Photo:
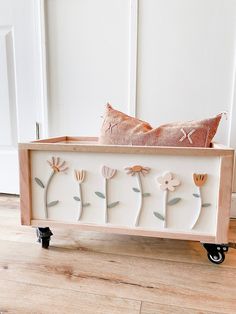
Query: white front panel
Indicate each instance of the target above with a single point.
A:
(186, 60)
(179, 216)
(88, 62)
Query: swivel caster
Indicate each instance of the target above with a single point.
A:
(216, 252)
(44, 236)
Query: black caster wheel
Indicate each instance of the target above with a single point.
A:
(216, 252)
(44, 236)
(216, 258)
(45, 242)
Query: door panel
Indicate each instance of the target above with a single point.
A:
(20, 84)
(88, 62)
(186, 60)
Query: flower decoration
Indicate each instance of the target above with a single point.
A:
(199, 181)
(79, 177)
(107, 173)
(137, 170)
(167, 183)
(57, 166)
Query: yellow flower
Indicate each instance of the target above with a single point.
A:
(199, 179)
(57, 165)
(79, 175)
(137, 169)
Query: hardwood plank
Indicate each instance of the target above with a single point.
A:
(17, 297)
(155, 308)
(201, 287)
(164, 249)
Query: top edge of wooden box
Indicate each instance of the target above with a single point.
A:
(90, 144)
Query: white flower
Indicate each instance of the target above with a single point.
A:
(167, 182)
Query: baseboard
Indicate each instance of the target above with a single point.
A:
(233, 206)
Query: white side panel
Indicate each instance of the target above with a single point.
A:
(88, 62)
(186, 60)
(180, 216)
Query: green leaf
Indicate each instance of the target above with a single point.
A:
(146, 194)
(113, 204)
(196, 195)
(53, 203)
(39, 182)
(206, 205)
(86, 204)
(136, 190)
(76, 198)
(174, 201)
(159, 216)
(99, 194)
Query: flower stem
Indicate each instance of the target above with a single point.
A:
(165, 198)
(199, 208)
(140, 200)
(80, 203)
(46, 194)
(106, 202)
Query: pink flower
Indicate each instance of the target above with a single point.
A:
(107, 172)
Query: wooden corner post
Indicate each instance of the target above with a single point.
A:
(225, 196)
(25, 186)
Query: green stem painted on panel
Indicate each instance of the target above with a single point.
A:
(46, 194)
(199, 208)
(80, 202)
(106, 202)
(165, 199)
(140, 199)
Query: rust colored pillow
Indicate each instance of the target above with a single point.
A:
(121, 129)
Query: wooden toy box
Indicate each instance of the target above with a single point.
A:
(168, 192)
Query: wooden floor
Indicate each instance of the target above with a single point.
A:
(108, 274)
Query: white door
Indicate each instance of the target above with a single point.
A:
(20, 84)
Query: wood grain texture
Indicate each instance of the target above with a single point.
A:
(25, 186)
(125, 270)
(234, 176)
(38, 299)
(126, 230)
(224, 199)
(155, 308)
(121, 149)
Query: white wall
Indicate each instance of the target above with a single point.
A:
(185, 52)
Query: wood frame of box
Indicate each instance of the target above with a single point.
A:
(90, 145)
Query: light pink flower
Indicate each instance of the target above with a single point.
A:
(168, 182)
(107, 172)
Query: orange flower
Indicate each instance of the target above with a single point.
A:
(199, 179)
(56, 165)
(137, 169)
(79, 175)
